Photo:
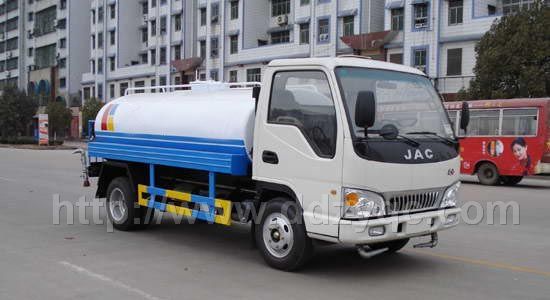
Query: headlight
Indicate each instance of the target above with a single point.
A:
(359, 204)
(451, 196)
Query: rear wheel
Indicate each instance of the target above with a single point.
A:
(281, 236)
(511, 180)
(488, 174)
(122, 208)
(393, 246)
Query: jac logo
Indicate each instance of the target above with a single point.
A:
(451, 172)
(419, 154)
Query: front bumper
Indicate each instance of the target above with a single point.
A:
(397, 227)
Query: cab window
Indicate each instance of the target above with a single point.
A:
(303, 99)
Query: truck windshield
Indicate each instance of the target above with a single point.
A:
(405, 100)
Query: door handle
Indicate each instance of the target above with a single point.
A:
(270, 157)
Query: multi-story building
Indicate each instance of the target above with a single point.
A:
(159, 42)
(439, 36)
(38, 52)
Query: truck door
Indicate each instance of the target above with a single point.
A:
(298, 144)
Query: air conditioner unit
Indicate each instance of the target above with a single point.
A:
(30, 34)
(32, 67)
(58, 55)
(282, 20)
(214, 19)
(10, 54)
(8, 74)
(2, 36)
(214, 53)
(421, 68)
(323, 37)
(145, 18)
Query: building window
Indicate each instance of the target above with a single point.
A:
(234, 14)
(139, 84)
(280, 37)
(30, 52)
(280, 7)
(215, 13)
(202, 49)
(92, 66)
(143, 58)
(45, 56)
(214, 47)
(153, 3)
(177, 52)
(112, 63)
(177, 22)
(100, 66)
(348, 25)
(454, 61)
(44, 21)
(162, 80)
(62, 63)
(144, 7)
(420, 59)
(93, 16)
(162, 2)
(163, 55)
(153, 83)
(163, 25)
(112, 36)
(254, 75)
(421, 16)
(63, 4)
(153, 57)
(233, 76)
(304, 2)
(396, 58)
(62, 82)
(153, 27)
(31, 16)
(111, 91)
(100, 91)
(514, 6)
(397, 19)
(100, 40)
(456, 8)
(214, 75)
(122, 89)
(324, 28)
(304, 33)
(144, 37)
(233, 44)
(100, 14)
(112, 10)
(62, 43)
(203, 16)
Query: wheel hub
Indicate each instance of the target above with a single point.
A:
(117, 205)
(278, 235)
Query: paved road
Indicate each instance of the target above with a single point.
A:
(39, 260)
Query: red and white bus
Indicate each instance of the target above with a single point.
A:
(506, 139)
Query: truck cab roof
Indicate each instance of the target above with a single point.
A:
(347, 61)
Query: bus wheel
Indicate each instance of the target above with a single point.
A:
(122, 208)
(281, 236)
(511, 180)
(488, 174)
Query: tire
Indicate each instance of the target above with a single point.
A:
(511, 180)
(281, 236)
(487, 174)
(393, 246)
(122, 208)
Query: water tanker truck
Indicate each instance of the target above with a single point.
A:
(344, 150)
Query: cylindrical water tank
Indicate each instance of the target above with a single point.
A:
(226, 114)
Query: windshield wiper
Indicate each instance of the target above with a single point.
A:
(390, 134)
(446, 140)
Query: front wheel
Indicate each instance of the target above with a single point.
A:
(281, 236)
(488, 174)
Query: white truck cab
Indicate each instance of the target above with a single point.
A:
(344, 150)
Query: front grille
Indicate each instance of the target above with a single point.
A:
(412, 201)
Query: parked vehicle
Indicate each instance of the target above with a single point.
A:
(506, 139)
(342, 150)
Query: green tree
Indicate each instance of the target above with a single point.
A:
(513, 58)
(59, 119)
(89, 111)
(17, 110)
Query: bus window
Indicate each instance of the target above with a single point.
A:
(519, 122)
(484, 122)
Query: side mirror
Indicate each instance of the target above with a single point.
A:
(365, 109)
(465, 116)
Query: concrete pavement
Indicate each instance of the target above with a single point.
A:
(39, 260)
